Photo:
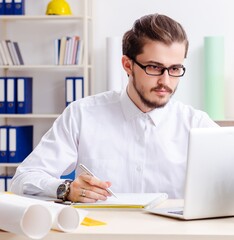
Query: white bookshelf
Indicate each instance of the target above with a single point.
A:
(36, 32)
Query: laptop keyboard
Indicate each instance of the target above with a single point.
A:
(181, 212)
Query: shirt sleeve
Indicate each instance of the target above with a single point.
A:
(55, 155)
(206, 121)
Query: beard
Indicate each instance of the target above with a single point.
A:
(158, 103)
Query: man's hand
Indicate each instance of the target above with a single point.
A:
(88, 189)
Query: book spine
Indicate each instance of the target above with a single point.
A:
(62, 50)
(19, 55)
(10, 50)
(6, 52)
(3, 55)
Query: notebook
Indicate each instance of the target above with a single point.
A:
(126, 200)
(209, 186)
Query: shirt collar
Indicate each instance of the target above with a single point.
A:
(131, 111)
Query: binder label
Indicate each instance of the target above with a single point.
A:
(10, 90)
(20, 90)
(2, 90)
(69, 90)
(12, 140)
(3, 139)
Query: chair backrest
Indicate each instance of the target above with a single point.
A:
(225, 123)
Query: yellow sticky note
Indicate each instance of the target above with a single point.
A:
(92, 222)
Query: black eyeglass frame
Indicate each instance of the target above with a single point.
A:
(144, 67)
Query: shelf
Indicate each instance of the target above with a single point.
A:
(9, 164)
(58, 67)
(26, 116)
(40, 17)
(36, 35)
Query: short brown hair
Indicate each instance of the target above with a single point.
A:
(155, 27)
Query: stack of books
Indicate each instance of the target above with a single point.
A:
(69, 50)
(10, 53)
(12, 7)
(16, 95)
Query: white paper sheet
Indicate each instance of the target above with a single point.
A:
(127, 200)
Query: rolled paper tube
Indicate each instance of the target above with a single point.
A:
(214, 76)
(113, 63)
(34, 218)
(25, 218)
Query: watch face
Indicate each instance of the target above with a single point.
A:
(61, 190)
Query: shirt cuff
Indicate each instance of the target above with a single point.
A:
(52, 186)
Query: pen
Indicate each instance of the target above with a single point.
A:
(85, 169)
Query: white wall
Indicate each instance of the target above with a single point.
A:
(114, 17)
(199, 18)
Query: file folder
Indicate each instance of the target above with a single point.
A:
(2, 7)
(69, 90)
(79, 88)
(9, 7)
(19, 7)
(11, 95)
(2, 95)
(74, 89)
(20, 143)
(2, 184)
(7, 182)
(24, 95)
(3, 144)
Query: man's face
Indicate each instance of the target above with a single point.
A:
(149, 92)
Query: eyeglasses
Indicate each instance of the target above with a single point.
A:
(154, 70)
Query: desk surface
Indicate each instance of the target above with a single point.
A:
(138, 225)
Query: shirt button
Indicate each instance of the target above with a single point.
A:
(139, 168)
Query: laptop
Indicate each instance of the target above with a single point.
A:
(209, 184)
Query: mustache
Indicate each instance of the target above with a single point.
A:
(160, 87)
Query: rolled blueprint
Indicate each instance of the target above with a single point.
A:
(21, 217)
(65, 218)
(113, 63)
(47, 215)
(214, 76)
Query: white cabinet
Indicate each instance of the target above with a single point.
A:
(36, 34)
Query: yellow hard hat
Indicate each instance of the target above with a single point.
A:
(58, 7)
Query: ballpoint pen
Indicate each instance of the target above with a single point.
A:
(85, 169)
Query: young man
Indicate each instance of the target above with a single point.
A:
(136, 139)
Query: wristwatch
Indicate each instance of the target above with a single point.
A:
(63, 190)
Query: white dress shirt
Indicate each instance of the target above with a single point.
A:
(135, 151)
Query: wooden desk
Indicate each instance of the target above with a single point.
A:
(139, 225)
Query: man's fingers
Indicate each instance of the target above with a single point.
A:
(88, 189)
(94, 181)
